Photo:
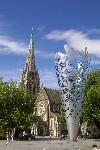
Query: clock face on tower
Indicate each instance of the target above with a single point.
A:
(41, 108)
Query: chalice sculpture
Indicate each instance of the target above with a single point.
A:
(72, 69)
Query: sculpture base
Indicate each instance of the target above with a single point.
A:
(73, 126)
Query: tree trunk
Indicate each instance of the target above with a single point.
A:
(97, 123)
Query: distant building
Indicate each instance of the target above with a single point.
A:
(47, 107)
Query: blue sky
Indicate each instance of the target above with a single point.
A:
(56, 23)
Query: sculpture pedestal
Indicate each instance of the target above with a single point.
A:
(73, 127)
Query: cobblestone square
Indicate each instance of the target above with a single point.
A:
(50, 144)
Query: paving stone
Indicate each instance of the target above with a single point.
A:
(50, 144)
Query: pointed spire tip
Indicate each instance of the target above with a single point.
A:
(31, 44)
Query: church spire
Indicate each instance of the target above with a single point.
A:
(31, 44)
(30, 75)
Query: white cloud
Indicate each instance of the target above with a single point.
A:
(41, 28)
(77, 40)
(11, 46)
(10, 73)
(20, 69)
(44, 54)
(97, 31)
(7, 44)
(4, 25)
(48, 78)
(95, 62)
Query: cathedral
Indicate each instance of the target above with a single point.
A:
(48, 101)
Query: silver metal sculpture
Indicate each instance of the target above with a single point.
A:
(71, 70)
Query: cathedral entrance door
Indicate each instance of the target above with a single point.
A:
(41, 130)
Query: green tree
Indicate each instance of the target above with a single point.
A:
(91, 106)
(16, 106)
(62, 116)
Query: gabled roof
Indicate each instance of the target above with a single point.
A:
(53, 95)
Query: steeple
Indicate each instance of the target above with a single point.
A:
(30, 75)
(31, 44)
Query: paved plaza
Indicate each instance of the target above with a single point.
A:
(50, 144)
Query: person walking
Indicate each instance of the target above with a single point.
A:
(24, 133)
(12, 136)
(8, 137)
(50, 135)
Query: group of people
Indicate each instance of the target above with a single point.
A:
(10, 137)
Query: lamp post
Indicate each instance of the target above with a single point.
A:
(59, 129)
(56, 129)
(36, 128)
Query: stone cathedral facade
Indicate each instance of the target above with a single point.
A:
(48, 101)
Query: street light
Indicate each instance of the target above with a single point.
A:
(59, 129)
(56, 129)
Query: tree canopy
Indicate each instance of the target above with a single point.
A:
(16, 106)
(91, 106)
(62, 116)
(91, 103)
